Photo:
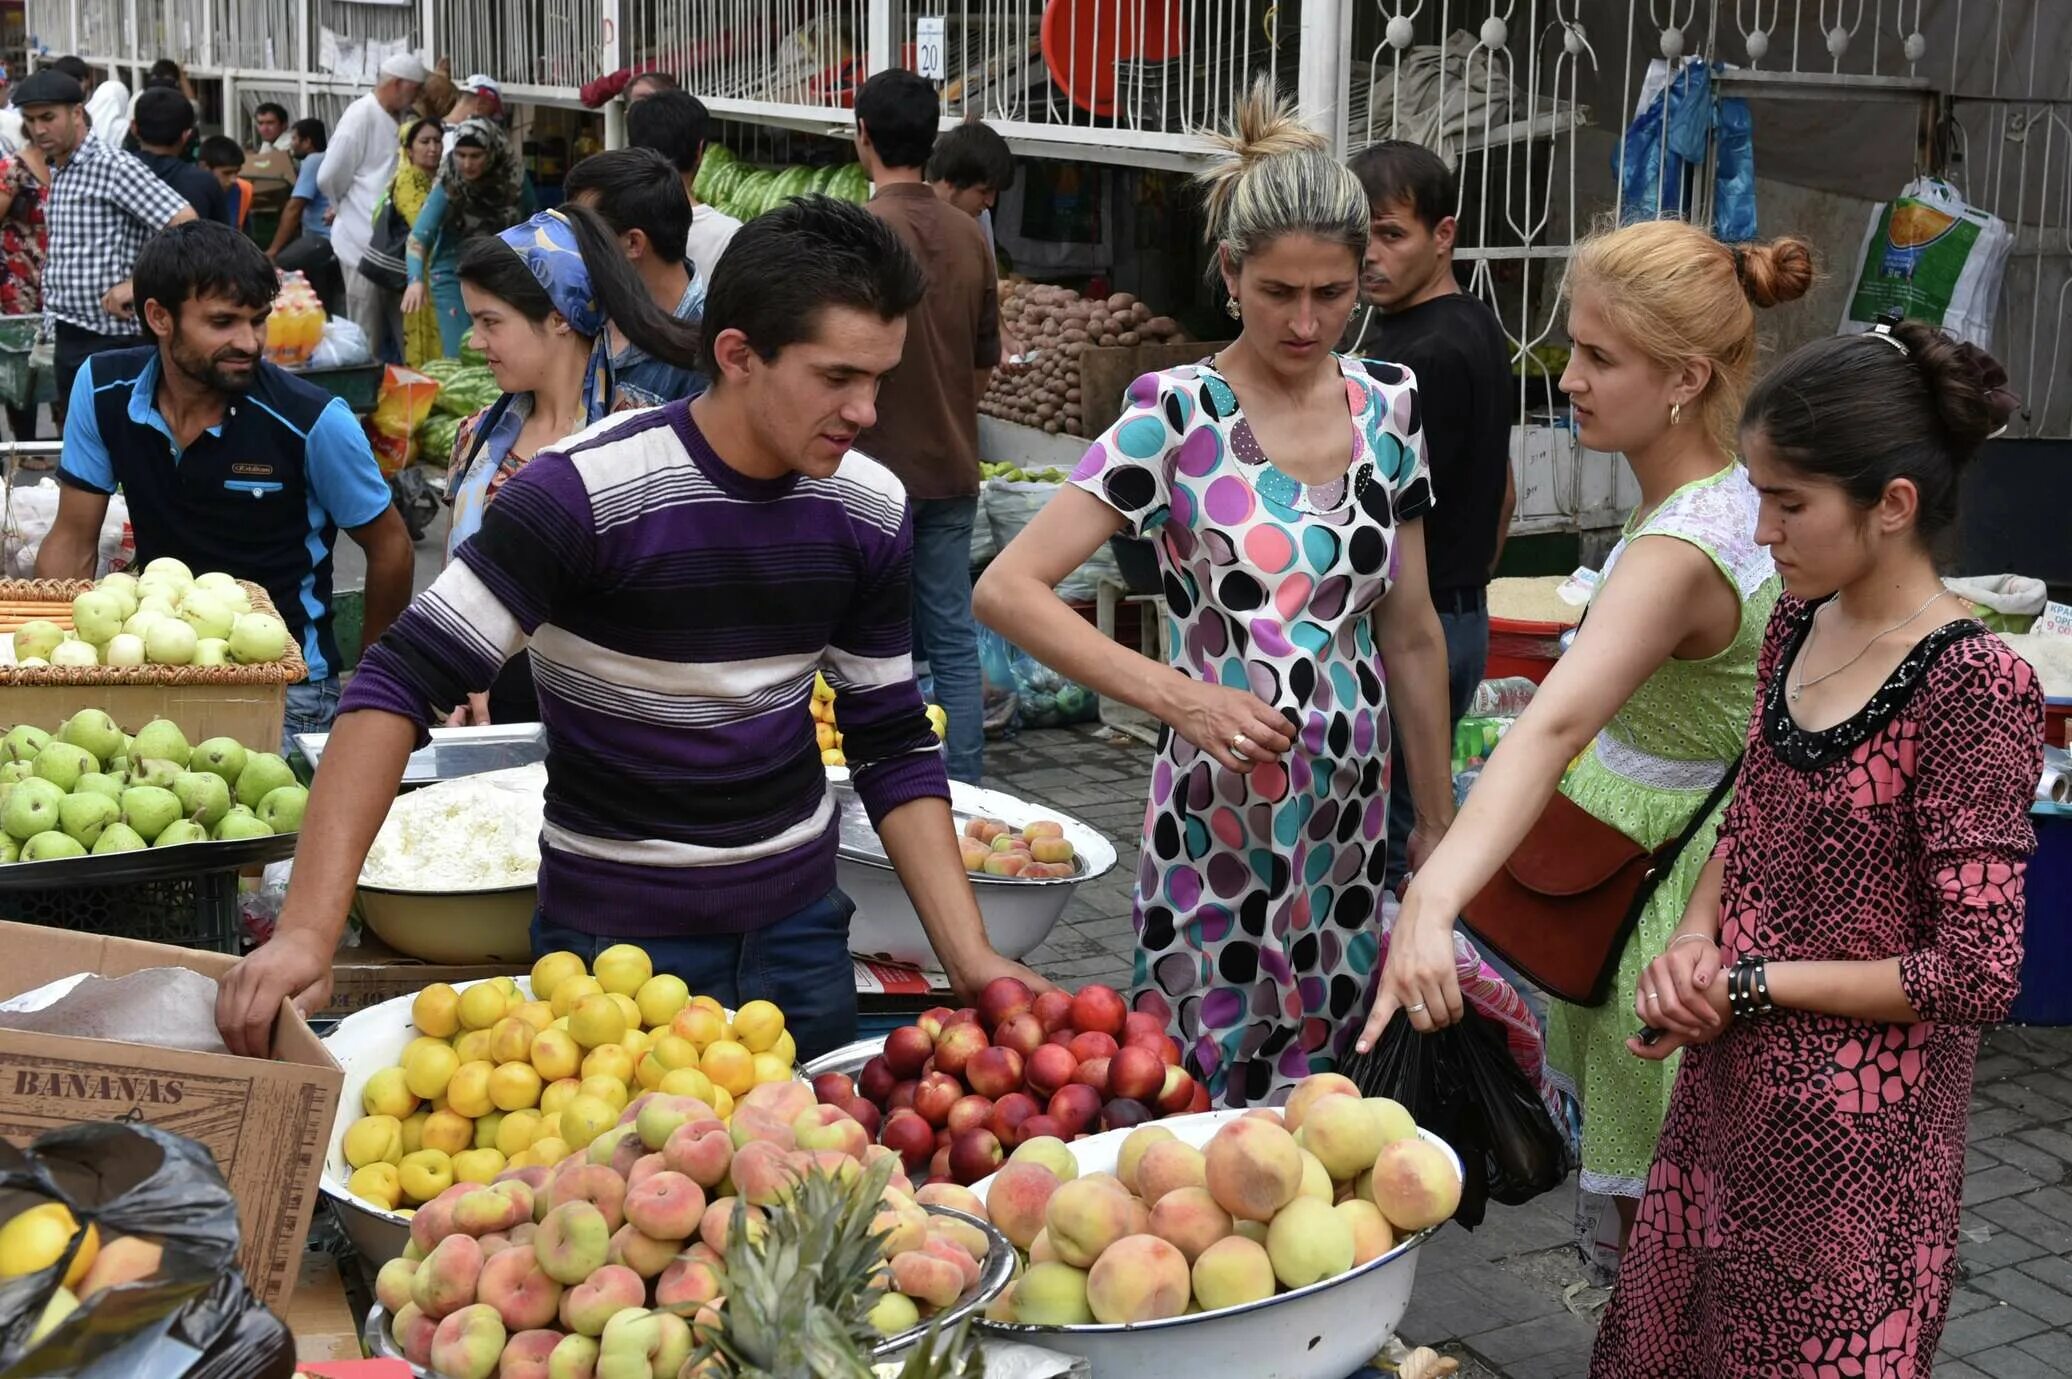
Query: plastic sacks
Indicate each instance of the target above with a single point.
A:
(193, 1316)
(1019, 691)
(1935, 258)
(1665, 147)
(343, 345)
(406, 400)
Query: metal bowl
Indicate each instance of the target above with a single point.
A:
(1018, 914)
(849, 1058)
(453, 927)
(994, 1272)
(1324, 1331)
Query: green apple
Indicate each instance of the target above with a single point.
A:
(124, 649)
(204, 796)
(140, 622)
(149, 809)
(10, 850)
(208, 615)
(170, 642)
(180, 831)
(211, 651)
(264, 772)
(161, 737)
(158, 771)
(223, 755)
(82, 816)
(95, 731)
(119, 837)
(226, 588)
(281, 809)
(96, 616)
(241, 822)
(62, 764)
(75, 653)
(159, 601)
(37, 637)
(168, 565)
(257, 637)
(126, 596)
(121, 582)
(22, 743)
(48, 847)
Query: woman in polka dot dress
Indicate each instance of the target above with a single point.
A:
(1283, 485)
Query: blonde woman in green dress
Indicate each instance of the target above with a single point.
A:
(1654, 696)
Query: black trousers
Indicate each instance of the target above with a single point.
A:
(76, 345)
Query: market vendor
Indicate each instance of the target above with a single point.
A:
(678, 576)
(227, 461)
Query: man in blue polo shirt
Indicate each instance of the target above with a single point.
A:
(228, 463)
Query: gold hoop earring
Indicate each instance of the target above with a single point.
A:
(1676, 414)
(1231, 307)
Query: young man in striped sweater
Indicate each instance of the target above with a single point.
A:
(678, 576)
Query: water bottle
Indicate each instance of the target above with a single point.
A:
(1505, 698)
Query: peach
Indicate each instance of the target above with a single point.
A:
(1002, 999)
(1316, 1182)
(573, 1242)
(595, 1184)
(972, 1112)
(1136, 1073)
(643, 1254)
(1009, 863)
(956, 1047)
(445, 1282)
(1050, 1151)
(391, 1285)
(973, 854)
(906, 1049)
(1233, 1271)
(1097, 1007)
(433, 1221)
(1054, 851)
(413, 1331)
(994, 1072)
(611, 1289)
(962, 1234)
(701, 1150)
(1176, 1092)
(830, 1127)
(666, 1206)
(955, 1196)
(1166, 1166)
(520, 1290)
(1093, 1073)
(1052, 1294)
(1084, 1217)
(498, 1207)
(1040, 1249)
(975, 1154)
(574, 1357)
(646, 1167)
(1252, 1168)
(124, 1259)
(1188, 1219)
(1135, 1146)
(1123, 1114)
(687, 1284)
(1308, 1243)
(785, 1100)
(1372, 1237)
(534, 1176)
(1266, 1113)
(1396, 1121)
(912, 1138)
(1023, 1033)
(1018, 1199)
(1344, 1132)
(659, 1117)
(1042, 828)
(1040, 1126)
(1075, 1108)
(716, 1227)
(1048, 1067)
(526, 1355)
(1087, 1045)
(927, 1278)
(894, 1313)
(1310, 1091)
(903, 1228)
(468, 1343)
(1414, 1185)
(946, 1249)
(637, 1342)
(936, 1093)
(1139, 1278)
(762, 1174)
(1254, 1231)
(865, 1113)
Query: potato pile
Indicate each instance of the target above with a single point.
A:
(1056, 325)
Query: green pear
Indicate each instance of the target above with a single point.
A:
(211, 651)
(32, 808)
(10, 850)
(101, 783)
(149, 809)
(222, 755)
(161, 738)
(180, 831)
(37, 637)
(82, 817)
(241, 822)
(204, 796)
(48, 847)
(282, 808)
(62, 764)
(12, 771)
(264, 772)
(119, 837)
(95, 731)
(158, 771)
(23, 742)
(116, 765)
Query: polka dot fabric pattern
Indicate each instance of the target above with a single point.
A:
(1256, 894)
(1800, 1217)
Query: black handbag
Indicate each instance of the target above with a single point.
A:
(386, 263)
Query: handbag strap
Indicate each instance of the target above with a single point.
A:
(1667, 857)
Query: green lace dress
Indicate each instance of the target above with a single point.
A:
(1646, 774)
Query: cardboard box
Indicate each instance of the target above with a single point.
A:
(253, 714)
(266, 1122)
(373, 972)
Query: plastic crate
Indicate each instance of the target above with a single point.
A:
(357, 385)
(17, 345)
(195, 911)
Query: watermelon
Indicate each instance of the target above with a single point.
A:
(850, 184)
(825, 177)
(793, 181)
(716, 161)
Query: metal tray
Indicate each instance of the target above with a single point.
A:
(455, 752)
(146, 864)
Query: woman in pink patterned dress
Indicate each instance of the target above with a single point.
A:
(1861, 918)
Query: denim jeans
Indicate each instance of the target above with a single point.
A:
(801, 962)
(1467, 651)
(945, 637)
(311, 707)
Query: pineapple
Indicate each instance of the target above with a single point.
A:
(797, 1298)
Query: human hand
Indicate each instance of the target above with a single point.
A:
(969, 978)
(1419, 976)
(414, 297)
(472, 714)
(120, 301)
(1423, 842)
(1213, 717)
(295, 963)
(1680, 991)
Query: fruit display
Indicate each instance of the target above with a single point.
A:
(1056, 325)
(829, 737)
(502, 1077)
(91, 788)
(957, 1090)
(168, 616)
(745, 191)
(1272, 1201)
(1037, 851)
(37, 1237)
(1015, 474)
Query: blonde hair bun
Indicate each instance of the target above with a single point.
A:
(1779, 271)
(1275, 175)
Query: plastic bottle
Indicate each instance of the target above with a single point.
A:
(1505, 698)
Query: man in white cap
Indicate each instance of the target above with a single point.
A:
(480, 98)
(357, 165)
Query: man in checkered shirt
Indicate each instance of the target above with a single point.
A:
(103, 205)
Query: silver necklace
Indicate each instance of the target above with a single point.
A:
(1804, 684)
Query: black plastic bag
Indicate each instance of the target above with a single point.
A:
(194, 1316)
(1462, 1085)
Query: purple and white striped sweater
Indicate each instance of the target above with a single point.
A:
(676, 611)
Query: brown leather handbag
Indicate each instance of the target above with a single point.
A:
(1562, 907)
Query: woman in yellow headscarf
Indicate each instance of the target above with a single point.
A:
(416, 172)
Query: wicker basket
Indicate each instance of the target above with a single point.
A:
(290, 669)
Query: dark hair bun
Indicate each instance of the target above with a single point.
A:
(1967, 385)
(1780, 271)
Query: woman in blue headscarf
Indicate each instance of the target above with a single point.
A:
(540, 295)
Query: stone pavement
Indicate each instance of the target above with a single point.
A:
(1510, 1298)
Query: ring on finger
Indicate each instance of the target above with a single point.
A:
(1412, 1010)
(1652, 996)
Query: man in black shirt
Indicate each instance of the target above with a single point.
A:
(1467, 398)
(164, 126)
